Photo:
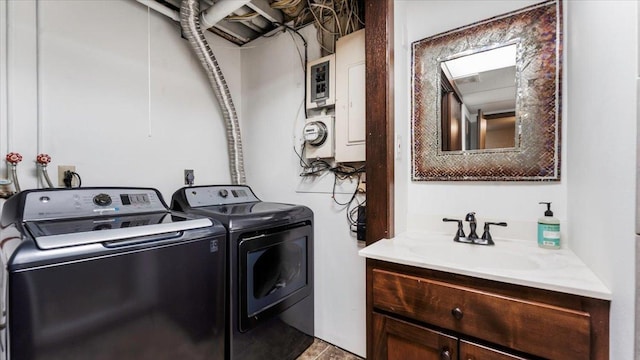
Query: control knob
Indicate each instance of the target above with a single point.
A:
(224, 193)
(102, 200)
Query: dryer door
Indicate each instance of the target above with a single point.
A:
(274, 273)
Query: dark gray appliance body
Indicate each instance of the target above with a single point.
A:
(270, 281)
(109, 273)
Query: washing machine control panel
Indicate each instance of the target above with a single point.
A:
(76, 203)
(219, 195)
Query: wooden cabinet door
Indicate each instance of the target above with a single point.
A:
(531, 327)
(399, 340)
(471, 351)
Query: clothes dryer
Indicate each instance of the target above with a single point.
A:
(270, 259)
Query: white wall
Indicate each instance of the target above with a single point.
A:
(273, 89)
(602, 45)
(18, 116)
(113, 89)
(428, 202)
(595, 198)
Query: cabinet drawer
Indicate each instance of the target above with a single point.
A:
(532, 327)
(471, 351)
(399, 340)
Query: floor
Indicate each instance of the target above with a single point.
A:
(321, 350)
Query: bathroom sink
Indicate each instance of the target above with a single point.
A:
(490, 258)
(502, 256)
(513, 261)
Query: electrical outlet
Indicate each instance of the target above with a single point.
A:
(189, 177)
(61, 170)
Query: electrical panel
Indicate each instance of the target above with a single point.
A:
(321, 85)
(319, 137)
(337, 83)
(350, 98)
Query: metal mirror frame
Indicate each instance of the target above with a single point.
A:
(538, 32)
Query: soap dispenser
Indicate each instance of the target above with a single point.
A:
(548, 229)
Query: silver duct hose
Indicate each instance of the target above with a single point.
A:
(190, 23)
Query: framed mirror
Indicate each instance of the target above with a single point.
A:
(486, 99)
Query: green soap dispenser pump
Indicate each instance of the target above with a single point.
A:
(548, 229)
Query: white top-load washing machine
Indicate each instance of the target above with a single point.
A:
(270, 259)
(109, 273)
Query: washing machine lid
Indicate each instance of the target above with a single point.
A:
(57, 218)
(111, 230)
(237, 217)
(237, 207)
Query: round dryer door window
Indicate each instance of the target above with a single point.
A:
(274, 274)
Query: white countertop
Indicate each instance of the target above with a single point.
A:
(509, 261)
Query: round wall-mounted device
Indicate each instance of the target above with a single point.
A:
(315, 133)
(318, 137)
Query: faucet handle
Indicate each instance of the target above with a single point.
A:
(486, 235)
(460, 232)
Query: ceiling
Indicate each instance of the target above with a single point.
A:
(251, 21)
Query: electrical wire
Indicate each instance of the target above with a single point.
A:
(340, 172)
(76, 175)
(313, 168)
(352, 215)
(332, 12)
(333, 19)
(285, 4)
(326, 13)
(302, 61)
(353, 195)
(68, 179)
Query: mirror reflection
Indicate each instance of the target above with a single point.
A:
(518, 136)
(478, 100)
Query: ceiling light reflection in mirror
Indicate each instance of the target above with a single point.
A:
(484, 85)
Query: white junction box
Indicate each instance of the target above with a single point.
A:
(318, 135)
(321, 85)
(350, 98)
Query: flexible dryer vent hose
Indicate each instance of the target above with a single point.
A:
(190, 23)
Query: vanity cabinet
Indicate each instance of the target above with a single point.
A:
(419, 313)
(396, 339)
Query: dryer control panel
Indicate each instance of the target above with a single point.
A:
(88, 202)
(198, 196)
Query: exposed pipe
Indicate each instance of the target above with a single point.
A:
(219, 11)
(210, 17)
(192, 30)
